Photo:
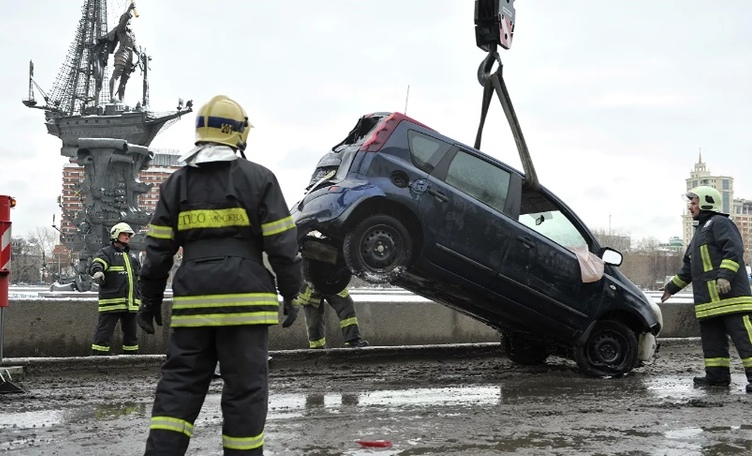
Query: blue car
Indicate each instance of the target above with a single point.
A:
(398, 202)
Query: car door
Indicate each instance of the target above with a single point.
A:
(540, 260)
(463, 211)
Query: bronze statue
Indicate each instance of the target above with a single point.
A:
(123, 38)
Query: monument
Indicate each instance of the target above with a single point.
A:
(101, 133)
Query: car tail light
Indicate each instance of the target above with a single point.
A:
(381, 134)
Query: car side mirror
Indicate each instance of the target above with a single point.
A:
(611, 256)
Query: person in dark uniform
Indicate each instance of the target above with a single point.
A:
(115, 268)
(313, 307)
(714, 265)
(225, 211)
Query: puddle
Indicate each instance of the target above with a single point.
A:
(286, 406)
(48, 418)
(665, 387)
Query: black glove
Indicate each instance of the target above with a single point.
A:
(149, 313)
(290, 310)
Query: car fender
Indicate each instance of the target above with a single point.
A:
(641, 307)
(332, 204)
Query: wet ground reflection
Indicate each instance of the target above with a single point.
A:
(638, 415)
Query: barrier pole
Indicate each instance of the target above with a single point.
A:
(6, 203)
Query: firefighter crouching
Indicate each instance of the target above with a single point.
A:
(115, 268)
(224, 211)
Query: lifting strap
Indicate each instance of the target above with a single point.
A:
(494, 82)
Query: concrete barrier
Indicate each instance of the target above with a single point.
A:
(64, 326)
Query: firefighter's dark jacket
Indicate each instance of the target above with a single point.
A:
(224, 215)
(119, 291)
(716, 251)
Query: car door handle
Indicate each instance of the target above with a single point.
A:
(439, 195)
(528, 242)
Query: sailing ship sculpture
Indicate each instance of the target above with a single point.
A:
(101, 133)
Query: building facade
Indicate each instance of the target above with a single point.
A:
(71, 201)
(739, 209)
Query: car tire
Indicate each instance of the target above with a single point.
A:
(378, 249)
(610, 351)
(522, 351)
(325, 277)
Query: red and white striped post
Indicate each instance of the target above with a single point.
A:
(6, 203)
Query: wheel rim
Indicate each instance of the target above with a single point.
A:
(607, 349)
(380, 248)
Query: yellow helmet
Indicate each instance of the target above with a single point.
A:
(709, 199)
(223, 121)
(118, 228)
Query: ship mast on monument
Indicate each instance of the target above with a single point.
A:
(85, 109)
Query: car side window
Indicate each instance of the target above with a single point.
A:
(541, 215)
(426, 152)
(479, 179)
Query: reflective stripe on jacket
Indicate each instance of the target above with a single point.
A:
(119, 291)
(716, 251)
(224, 215)
(310, 297)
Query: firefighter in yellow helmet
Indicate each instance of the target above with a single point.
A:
(224, 211)
(115, 268)
(714, 265)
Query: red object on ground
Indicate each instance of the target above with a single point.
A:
(375, 443)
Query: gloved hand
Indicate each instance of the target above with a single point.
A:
(666, 294)
(149, 313)
(724, 286)
(290, 310)
(98, 276)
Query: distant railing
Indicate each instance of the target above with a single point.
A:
(358, 294)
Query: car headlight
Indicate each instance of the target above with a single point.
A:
(656, 309)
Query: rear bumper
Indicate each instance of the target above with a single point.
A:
(327, 209)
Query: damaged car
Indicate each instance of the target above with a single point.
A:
(398, 202)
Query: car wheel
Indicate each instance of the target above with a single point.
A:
(611, 350)
(378, 248)
(522, 351)
(325, 277)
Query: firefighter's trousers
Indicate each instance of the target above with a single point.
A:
(715, 333)
(191, 357)
(105, 328)
(316, 322)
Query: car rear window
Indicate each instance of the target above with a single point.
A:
(426, 152)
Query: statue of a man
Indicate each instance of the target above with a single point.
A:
(123, 38)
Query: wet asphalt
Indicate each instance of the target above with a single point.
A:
(443, 400)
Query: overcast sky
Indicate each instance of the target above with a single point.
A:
(615, 98)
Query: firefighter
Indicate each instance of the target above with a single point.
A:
(313, 307)
(115, 268)
(224, 211)
(714, 265)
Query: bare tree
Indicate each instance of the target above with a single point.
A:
(46, 238)
(25, 262)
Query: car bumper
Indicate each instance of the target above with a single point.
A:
(326, 209)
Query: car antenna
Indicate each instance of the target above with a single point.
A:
(407, 98)
(494, 26)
